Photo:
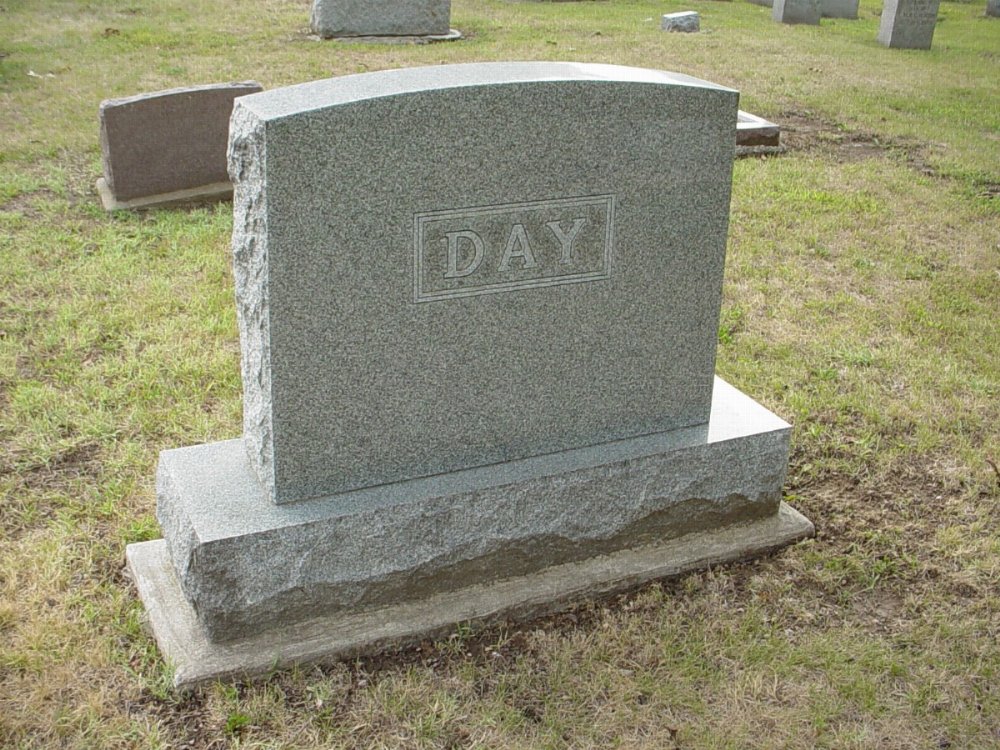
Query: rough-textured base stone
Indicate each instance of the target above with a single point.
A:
(839, 9)
(195, 659)
(993, 8)
(686, 21)
(908, 24)
(335, 18)
(219, 191)
(796, 11)
(248, 565)
(755, 135)
(159, 144)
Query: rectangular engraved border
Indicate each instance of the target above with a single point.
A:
(420, 219)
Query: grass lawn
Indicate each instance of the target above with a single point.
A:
(861, 303)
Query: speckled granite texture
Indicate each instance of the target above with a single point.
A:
(442, 268)
(908, 24)
(247, 565)
(332, 18)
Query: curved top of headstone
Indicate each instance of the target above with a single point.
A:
(458, 266)
(328, 92)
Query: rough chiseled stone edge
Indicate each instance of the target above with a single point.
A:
(196, 660)
(247, 166)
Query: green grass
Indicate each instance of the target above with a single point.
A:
(860, 303)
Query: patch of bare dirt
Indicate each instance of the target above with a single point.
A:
(805, 131)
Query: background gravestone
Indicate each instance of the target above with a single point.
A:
(993, 8)
(908, 24)
(478, 314)
(346, 18)
(684, 21)
(796, 11)
(839, 9)
(168, 146)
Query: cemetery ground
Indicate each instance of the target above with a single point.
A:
(861, 304)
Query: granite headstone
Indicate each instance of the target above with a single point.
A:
(839, 9)
(348, 18)
(908, 24)
(993, 8)
(478, 315)
(796, 11)
(167, 147)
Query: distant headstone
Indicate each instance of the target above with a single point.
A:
(796, 11)
(167, 147)
(993, 8)
(839, 9)
(908, 24)
(349, 18)
(765, 3)
(478, 315)
(685, 21)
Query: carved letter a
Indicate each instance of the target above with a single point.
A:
(518, 237)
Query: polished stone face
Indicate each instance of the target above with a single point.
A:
(333, 18)
(167, 141)
(451, 267)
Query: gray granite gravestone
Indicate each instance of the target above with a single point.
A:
(839, 9)
(478, 316)
(993, 8)
(687, 21)
(348, 18)
(167, 147)
(796, 11)
(765, 3)
(908, 24)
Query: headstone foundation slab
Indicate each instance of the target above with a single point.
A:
(240, 586)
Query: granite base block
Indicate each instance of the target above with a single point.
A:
(248, 565)
(196, 659)
(214, 193)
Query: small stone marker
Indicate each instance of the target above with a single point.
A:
(353, 18)
(686, 21)
(478, 315)
(908, 24)
(167, 147)
(765, 3)
(993, 8)
(755, 135)
(796, 11)
(839, 9)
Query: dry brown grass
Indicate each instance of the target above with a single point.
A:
(860, 303)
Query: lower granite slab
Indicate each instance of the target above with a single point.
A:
(195, 659)
(248, 565)
(215, 193)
